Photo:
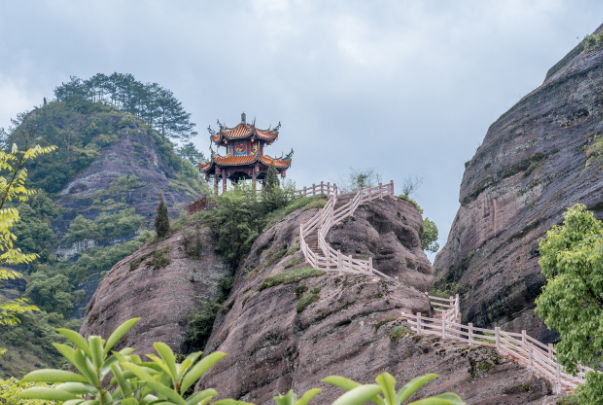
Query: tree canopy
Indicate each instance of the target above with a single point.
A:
(572, 300)
(150, 102)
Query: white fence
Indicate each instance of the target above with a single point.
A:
(538, 357)
(328, 258)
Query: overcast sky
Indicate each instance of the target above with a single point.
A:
(407, 87)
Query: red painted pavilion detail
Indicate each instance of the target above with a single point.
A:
(244, 157)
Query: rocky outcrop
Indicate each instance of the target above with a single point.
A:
(531, 166)
(164, 295)
(274, 344)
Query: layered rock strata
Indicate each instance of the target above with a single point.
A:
(163, 295)
(535, 161)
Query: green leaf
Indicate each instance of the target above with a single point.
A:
(348, 384)
(73, 402)
(229, 401)
(91, 402)
(288, 399)
(359, 395)
(201, 395)
(388, 384)
(307, 397)
(65, 350)
(129, 401)
(119, 333)
(168, 357)
(199, 369)
(53, 376)
(48, 394)
(124, 384)
(453, 398)
(413, 386)
(96, 347)
(165, 391)
(77, 340)
(438, 400)
(77, 388)
(138, 371)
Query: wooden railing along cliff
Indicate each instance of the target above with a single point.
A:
(324, 257)
(527, 351)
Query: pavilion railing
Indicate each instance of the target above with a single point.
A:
(328, 258)
(537, 356)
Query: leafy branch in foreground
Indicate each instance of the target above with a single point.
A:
(12, 187)
(384, 392)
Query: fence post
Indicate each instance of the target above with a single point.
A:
(418, 323)
(391, 188)
(313, 189)
(470, 330)
(335, 187)
(551, 351)
(497, 337)
(322, 187)
(443, 328)
(457, 309)
(339, 262)
(523, 339)
(370, 262)
(558, 375)
(530, 349)
(380, 191)
(304, 191)
(328, 188)
(350, 262)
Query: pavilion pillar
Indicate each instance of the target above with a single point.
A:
(224, 181)
(253, 177)
(216, 180)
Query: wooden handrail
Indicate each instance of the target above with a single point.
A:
(526, 350)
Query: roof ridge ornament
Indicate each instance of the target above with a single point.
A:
(211, 131)
(220, 125)
(244, 118)
(276, 128)
(289, 155)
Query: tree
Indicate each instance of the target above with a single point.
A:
(572, 300)
(189, 151)
(410, 186)
(358, 179)
(12, 188)
(430, 236)
(162, 220)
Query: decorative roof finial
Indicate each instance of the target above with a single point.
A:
(277, 127)
(243, 118)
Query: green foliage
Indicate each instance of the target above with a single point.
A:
(11, 388)
(189, 152)
(290, 277)
(397, 333)
(384, 393)
(317, 203)
(134, 382)
(430, 236)
(293, 263)
(105, 227)
(272, 218)
(357, 179)
(159, 259)
(30, 342)
(593, 41)
(162, 219)
(149, 102)
(572, 300)
(416, 204)
(202, 322)
(53, 294)
(306, 301)
(594, 150)
(291, 399)
(300, 290)
(568, 400)
(384, 321)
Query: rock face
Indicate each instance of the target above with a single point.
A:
(272, 347)
(135, 154)
(530, 168)
(163, 297)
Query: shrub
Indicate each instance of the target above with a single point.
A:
(289, 277)
(318, 203)
(397, 333)
(300, 290)
(305, 301)
(162, 220)
(384, 321)
(159, 259)
(293, 263)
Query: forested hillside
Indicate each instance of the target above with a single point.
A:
(96, 198)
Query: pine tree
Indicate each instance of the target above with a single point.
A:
(162, 220)
(272, 177)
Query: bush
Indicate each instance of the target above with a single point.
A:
(159, 259)
(305, 301)
(300, 290)
(162, 220)
(289, 277)
(398, 332)
(383, 322)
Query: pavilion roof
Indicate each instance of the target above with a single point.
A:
(244, 131)
(245, 160)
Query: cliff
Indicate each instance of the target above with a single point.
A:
(539, 158)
